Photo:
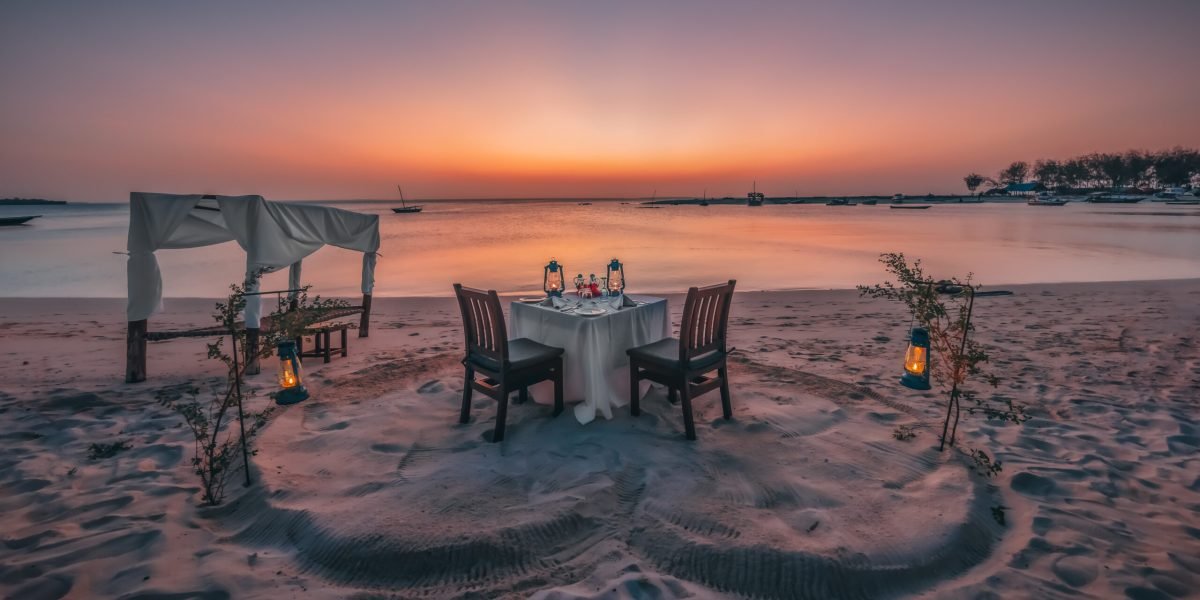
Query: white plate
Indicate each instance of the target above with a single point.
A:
(530, 300)
(591, 311)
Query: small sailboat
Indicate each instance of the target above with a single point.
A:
(755, 197)
(404, 207)
(704, 199)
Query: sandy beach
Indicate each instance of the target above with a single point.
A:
(371, 489)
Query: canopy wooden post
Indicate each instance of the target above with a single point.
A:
(135, 352)
(364, 321)
(252, 366)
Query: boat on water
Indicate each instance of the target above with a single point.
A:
(4, 221)
(840, 202)
(1183, 202)
(869, 202)
(1108, 198)
(404, 207)
(898, 199)
(1046, 199)
(911, 206)
(585, 204)
(704, 199)
(755, 197)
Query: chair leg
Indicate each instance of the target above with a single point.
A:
(558, 388)
(523, 395)
(467, 389)
(635, 401)
(685, 399)
(327, 352)
(501, 415)
(345, 346)
(726, 406)
(671, 395)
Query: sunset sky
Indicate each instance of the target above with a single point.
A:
(298, 100)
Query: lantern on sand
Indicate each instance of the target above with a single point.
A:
(291, 380)
(916, 361)
(552, 281)
(616, 278)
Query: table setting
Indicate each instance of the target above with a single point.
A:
(594, 326)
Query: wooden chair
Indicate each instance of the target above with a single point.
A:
(507, 365)
(684, 365)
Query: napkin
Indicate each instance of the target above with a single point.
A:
(556, 302)
(622, 301)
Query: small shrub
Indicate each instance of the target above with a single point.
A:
(213, 420)
(983, 463)
(904, 433)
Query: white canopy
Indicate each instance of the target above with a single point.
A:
(274, 235)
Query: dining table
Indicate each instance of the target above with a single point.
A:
(594, 334)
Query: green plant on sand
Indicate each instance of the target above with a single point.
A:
(942, 307)
(216, 440)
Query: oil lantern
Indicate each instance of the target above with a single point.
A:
(552, 281)
(916, 361)
(616, 278)
(291, 381)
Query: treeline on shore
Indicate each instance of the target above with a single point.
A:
(1141, 169)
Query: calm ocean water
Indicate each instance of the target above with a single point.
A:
(504, 244)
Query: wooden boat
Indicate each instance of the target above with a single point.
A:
(1046, 199)
(17, 220)
(404, 207)
(911, 206)
(755, 198)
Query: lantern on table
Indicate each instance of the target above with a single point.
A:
(291, 379)
(916, 361)
(552, 281)
(616, 278)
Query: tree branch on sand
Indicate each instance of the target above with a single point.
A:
(953, 359)
(211, 421)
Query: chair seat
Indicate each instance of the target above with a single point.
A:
(665, 352)
(522, 353)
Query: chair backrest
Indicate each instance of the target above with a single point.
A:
(705, 320)
(483, 323)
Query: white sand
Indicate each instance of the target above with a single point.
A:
(372, 489)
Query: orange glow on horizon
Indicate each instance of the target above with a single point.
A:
(575, 100)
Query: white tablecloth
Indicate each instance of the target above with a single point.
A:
(596, 368)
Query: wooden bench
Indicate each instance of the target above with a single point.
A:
(322, 344)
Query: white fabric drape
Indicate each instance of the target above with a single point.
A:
(273, 235)
(595, 366)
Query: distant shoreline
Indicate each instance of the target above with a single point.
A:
(28, 202)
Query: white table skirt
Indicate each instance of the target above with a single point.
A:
(595, 366)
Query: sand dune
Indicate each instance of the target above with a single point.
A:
(372, 490)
